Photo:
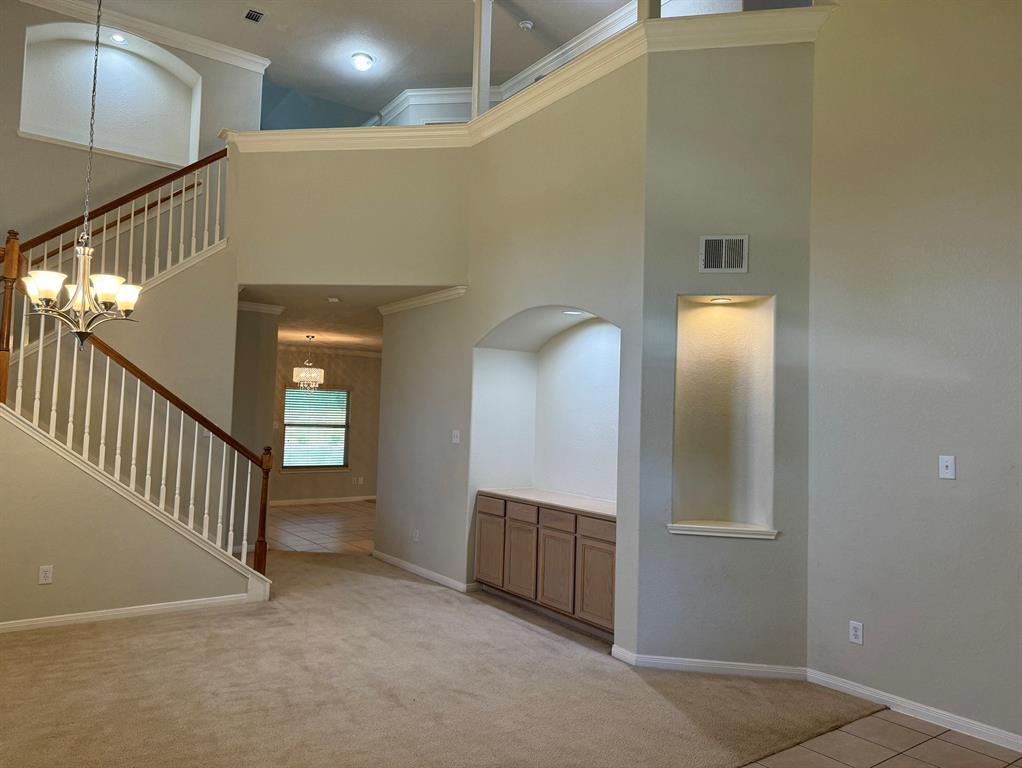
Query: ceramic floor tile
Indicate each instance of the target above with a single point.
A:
(944, 754)
(849, 749)
(885, 733)
(904, 761)
(978, 745)
(799, 757)
(910, 722)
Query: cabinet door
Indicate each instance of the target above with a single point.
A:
(520, 558)
(490, 549)
(556, 569)
(594, 589)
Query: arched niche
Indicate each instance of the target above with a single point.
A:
(545, 398)
(148, 100)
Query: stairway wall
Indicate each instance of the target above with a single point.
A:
(106, 552)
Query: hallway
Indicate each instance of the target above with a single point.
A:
(344, 528)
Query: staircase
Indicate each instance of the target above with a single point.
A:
(104, 412)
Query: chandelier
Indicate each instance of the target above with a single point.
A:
(91, 299)
(308, 377)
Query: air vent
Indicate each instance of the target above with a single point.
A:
(255, 16)
(724, 253)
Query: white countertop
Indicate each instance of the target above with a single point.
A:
(585, 505)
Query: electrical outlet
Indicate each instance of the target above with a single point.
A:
(946, 469)
(45, 574)
(456, 436)
(415, 536)
(855, 632)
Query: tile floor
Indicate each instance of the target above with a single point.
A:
(346, 528)
(891, 740)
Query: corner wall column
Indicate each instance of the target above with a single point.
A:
(649, 9)
(481, 57)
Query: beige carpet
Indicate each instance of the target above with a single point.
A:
(356, 663)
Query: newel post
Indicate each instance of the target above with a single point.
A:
(11, 267)
(259, 562)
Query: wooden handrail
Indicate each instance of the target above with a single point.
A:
(173, 399)
(69, 226)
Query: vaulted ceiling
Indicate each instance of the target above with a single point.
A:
(416, 43)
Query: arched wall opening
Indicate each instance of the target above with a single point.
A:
(148, 100)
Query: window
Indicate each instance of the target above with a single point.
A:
(315, 428)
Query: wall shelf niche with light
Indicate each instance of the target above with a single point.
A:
(723, 466)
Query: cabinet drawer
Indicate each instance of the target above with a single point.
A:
(597, 529)
(489, 505)
(552, 518)
(524, 512)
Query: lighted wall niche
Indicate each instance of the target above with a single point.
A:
(724, 416)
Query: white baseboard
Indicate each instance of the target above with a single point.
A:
(425, 573)
(922, 711)
(106, 614)
(708, 666)
(331, 500)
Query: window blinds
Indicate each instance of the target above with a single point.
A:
(315, 428)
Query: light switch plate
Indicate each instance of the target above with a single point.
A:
(946, 469)
(456, 436)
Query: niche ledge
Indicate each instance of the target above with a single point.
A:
(722, 529)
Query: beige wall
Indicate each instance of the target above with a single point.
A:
(255, 378)
(916, 285)
(357, 372)
(106, 552)
(48, 191)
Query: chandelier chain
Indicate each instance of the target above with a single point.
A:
(86, 235)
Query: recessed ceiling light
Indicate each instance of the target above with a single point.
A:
(119, 39)
(333, 300)
(572, 312)
(525, 24)
(363, 62)
(720, 300)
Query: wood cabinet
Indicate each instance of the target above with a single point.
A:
(536, 546)
(490, 541)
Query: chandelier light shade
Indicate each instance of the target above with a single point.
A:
(307, 376)
(91, 299)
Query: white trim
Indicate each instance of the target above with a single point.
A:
(925, 712)
(778, 27)
(415, 97)
(6, 414)
(425, 573)
(708, 666)
(721, 529)
(323, 500)
(157, 33)
(264, 309)
(423, 301)
(36, 136)
(219, 601)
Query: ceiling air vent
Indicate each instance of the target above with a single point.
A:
(724, 253)
(255, 16)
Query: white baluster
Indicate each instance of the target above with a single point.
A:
(102, 231)
(145, 233)
(209, 483)
(36, 403)
(244, 521)
(166, 445)
(156, 237)
(177, 482)
(181, 222)
(21, 356)
(220, 506)
(134, 437)
(101, 462)
(120, 429)
(117, 240)
(131, 242)
(170, 227)
(71, 397)
(56, 379)
(88, 405)
(149, 448)
(205, 216)
(191, 493)
(234, 498)
(216, 220)
(195, 204)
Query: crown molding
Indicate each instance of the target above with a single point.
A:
(264, 309)
(414, 97)
(423, 301)
(726, 30)
(157, 33)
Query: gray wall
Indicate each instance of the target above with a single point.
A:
(44, 181)
(723, 158)
(255, 379)
(106, 552)
(917, 300)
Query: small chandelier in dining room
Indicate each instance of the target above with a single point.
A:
(91, 299)
(308, 376)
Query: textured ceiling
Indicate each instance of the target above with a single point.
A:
(354, 322)
(416, 43)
